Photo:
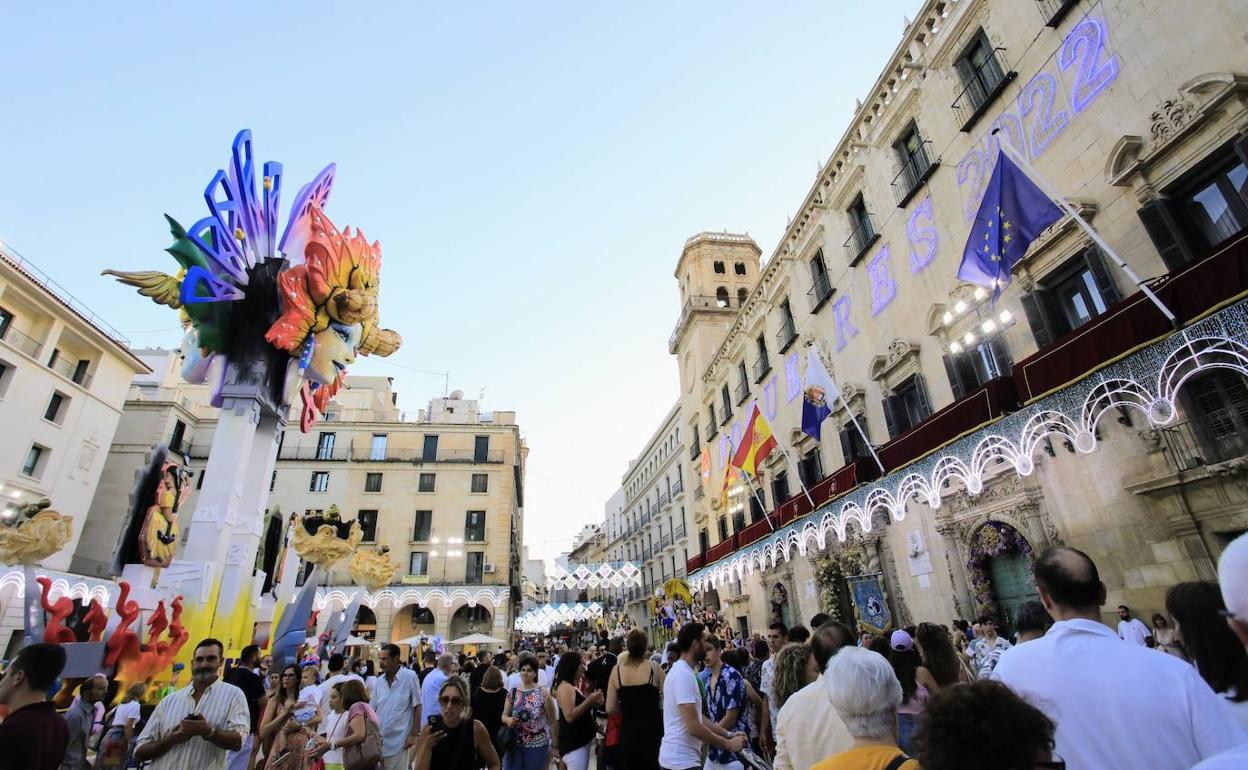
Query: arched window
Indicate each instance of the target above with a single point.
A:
(741, 295)
(739, 268)
(721, 297)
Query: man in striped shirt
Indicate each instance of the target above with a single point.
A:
(196, 726)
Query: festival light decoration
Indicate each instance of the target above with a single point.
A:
(544, 617)
(606, 575)
(1147, 381)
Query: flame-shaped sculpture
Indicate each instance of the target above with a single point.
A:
(373, 567)
(326, 540)
(43, 533)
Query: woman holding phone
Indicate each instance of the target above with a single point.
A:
(454, 740)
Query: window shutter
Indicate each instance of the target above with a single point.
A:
(1163, 221)
(925, 403)
(1100, 273)
(889, 421)
(1046, 321)
(847, 448)
(1241, 149)
(1001, 355)
(955, 381)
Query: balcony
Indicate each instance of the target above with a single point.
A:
(742, 392)
(664, 499)
(983, 85)
(665, 542)
(697, 303)
(1054, 11)
(787, 334)
(914, 172)
(1135, 321)
(28, 345)
(677, 488)
(712, 428)
(680, 532)
(367, 454)
(993, 399)
(695, 450)
(71, 372)
(860, 239)
(761, 367)
(819, 295)
(1194, 444)
(695, 562)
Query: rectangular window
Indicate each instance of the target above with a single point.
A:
(743, 383)
(273, 481)
(423, 526)
(325, 446)
(199, 483)
(723, 391)
(739, 268)
(907, 407)
(6, 320)
(480, 482)
(36, 459)
(481, 449)
(372, 482)
(368, 524)
(1206, 208)
(969, 369)
(780, 487)
(695, 446)
(788, 329)
(981, 73)
(80, 372)
(426, 482)
(377, 447)
(757, 506)
(723, 528)
(429, 453)
(418, 564)
(911, 151)
(1070, 297)
(763, 364)
(1218, 403)
(474, 527)
(712, 425)
(179, 435)
(820, 285)
(862, 231)
(719, 268)
(810, 468)
(6, 376)
(320, 481)
(738, 520)
(55, 409)
(474, 568)
(704, 540)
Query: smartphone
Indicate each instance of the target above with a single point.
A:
(194, 716)
(436, 722)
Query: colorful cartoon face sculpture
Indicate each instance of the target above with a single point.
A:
(325, 302)
(329, 306)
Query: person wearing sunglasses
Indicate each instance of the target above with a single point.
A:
(454, 740)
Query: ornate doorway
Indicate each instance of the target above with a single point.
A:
(1001, 575)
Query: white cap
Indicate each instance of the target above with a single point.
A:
(1233, 576)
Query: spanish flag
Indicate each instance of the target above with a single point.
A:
(756, 444)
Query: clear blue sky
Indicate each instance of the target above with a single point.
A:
(531, 170)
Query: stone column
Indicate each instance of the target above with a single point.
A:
(385, 611)
(956, 557)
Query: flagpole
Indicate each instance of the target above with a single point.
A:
(1074, 215)
(766, 515)
(840, 397)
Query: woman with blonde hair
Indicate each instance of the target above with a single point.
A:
(117, 744)
(456, 741)
(795, 668)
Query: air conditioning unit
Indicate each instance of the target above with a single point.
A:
(490, 568)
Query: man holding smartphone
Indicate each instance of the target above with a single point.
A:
(197, 726)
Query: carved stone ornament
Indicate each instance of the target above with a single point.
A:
(1150, 438)
(1169, 118)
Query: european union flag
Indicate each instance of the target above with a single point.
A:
(1014, 212)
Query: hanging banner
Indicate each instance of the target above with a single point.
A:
(869, 604)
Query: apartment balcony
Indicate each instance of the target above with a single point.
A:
(914, 172)
(742, 392)
(680, 532)
(1196, 444)
(1054, 11)
(983, 84)
(819, 295)
(368, 454)
(28, 345)
(860, 239)
(664, 499)
(787, 333)
(761, 367)
(677, 488)
(72, 372)
(665, 542)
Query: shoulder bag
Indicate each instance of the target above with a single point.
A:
(507, 738)
(365, 755)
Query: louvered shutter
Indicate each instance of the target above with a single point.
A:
(1163, 221)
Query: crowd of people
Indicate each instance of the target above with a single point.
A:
(1066, 691)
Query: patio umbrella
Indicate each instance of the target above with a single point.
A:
(476, 639)
(412, 641)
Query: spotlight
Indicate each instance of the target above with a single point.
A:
(1005, 316)
(960, 307)
(969, 339)
(947, 318)
(988, 326)
(980, 293)
(955, 347)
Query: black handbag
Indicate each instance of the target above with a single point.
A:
(507, 738)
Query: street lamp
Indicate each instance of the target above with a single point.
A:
(448, 551)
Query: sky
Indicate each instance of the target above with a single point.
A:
(532, 171)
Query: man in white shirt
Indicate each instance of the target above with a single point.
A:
(1103, 694)
(684, 729)
(1132, 629)
(1233, 577)
(984, 656)
(777, 636)
(196, 727)
(432, 686)
(396, 699)
(809, 729)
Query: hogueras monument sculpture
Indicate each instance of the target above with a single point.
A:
(268, 318)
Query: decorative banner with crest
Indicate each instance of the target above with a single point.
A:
(616, 574)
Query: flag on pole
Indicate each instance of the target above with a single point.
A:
(816, 399)
(1013, 213)
(756, 444)
(729, 474)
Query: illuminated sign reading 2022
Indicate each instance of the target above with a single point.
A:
(1046, 106)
